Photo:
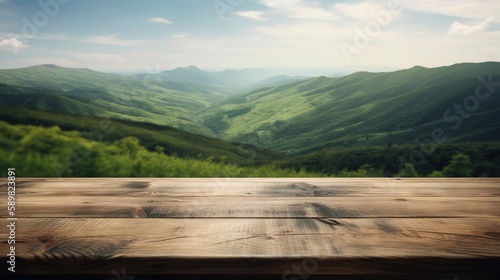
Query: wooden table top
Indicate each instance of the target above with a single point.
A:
(271, 226)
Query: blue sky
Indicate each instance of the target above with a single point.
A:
(157, 35)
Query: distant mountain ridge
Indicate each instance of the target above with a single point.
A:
(227, 82)
(360, 109)
(291, 114)
(87, 92)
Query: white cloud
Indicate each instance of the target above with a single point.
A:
(114, 40)
(256, 15)
(459, 29)
(295, 33)
(160, 20)
(300, 9)
(12, 44)
(457, 8)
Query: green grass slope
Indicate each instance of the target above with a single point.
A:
(38, 151)
(362, 109)
(298, 117)
(91, 93)
(172, 141)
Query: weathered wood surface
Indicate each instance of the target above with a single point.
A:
(255, 207)
(286, 187)
(257, 225)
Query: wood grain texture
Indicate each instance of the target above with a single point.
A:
(255, 207)
(222, 187)
(359, 245)
(256, 225)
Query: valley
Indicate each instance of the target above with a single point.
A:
(360, 109)
(233, 115)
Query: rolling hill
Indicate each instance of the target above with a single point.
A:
(171, 140)
(362, 109)
(225, 83)
(90, 93)
(287, 114)
(171, 97)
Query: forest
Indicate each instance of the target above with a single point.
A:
(188, 122)
(49, 151)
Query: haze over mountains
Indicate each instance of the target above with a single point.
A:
(227, 82)
(362, 109)
(288, 114)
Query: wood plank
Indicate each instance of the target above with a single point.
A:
(81, 245)
(257, 225)
(67, 205)
(300, 187)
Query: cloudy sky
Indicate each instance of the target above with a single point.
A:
(157, 35)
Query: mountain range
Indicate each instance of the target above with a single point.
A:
(287, 114)
(362, 109)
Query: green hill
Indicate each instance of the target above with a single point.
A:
(293, 117)
(170, 140)
(361, 109)
(38, 151)
(363, 124)
(90, 93)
